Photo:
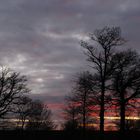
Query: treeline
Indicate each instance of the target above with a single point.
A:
(17, 110)
(112, 83)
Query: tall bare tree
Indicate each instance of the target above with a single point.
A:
(12, 87)
(126, 81)
(100, 54)
(82, 96)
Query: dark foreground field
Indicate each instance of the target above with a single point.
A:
(61, 135)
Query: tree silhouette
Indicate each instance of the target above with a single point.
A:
(100, 54)
(83, 96)
(23, 110)
(126, 81)
(12, 87)
(81, 100)
(40, 117)
(70, 114)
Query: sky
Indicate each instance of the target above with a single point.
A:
(40, 39)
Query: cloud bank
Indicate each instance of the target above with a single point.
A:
(40, 38)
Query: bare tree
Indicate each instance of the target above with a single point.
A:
(23, 110)
(83, 97)
(126, 81)
(70, 114)
(40, 117)
(12, 87)
(100, 54)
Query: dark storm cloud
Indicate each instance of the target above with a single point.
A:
(40, 38)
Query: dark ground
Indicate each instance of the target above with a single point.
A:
(61, 135)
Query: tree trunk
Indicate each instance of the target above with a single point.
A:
(23, 122)
(122, 117)
(102, 109)
(84, 116)
(84, 121)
